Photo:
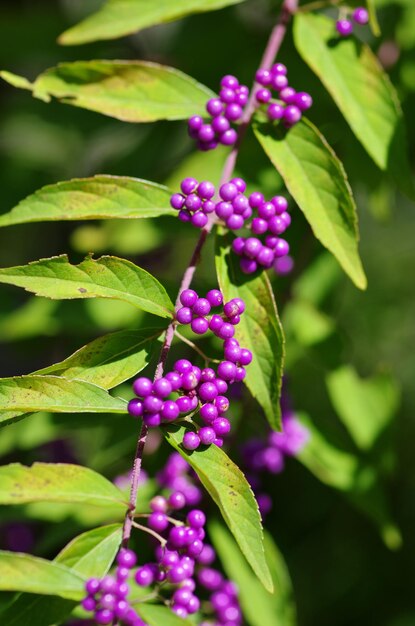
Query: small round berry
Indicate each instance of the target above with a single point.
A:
(126, 558)
(279, 82)
(263, 77)
(195, 548)
(199, 219)
(184, 403)
(227, 96)
(122, 574)
(207, 435)
(144, 576)
(152, 420)
(214, 106)
(282, 248)
(152, 404)
(235, 320)
(142, 387)
(121, 608)
(193, 202)
(188, 297)
(207, 145)
(238, 245)
(191, 441)
(184, 315)
(199, 325)
(221, 426)
(206, 190)
(280, 203)
(259, 226)
(214, 297)
(248, 266)
(184, 216)
(245, 357)
(239, 183)
(208, 391)
(232, 353)
(103, 617)
(265, 257)
(211, 579)
(182, 596)
(195, 122)
(252, 247)
(228, 192)
(241, 98)
(158, 521)
(177, 201)
(188, 185)
(255, 199)
(158, 504)
(229, 81)
(222, 387)
(240, 374)
(229, 137)
(202, 306)
(226, 331)
(226, 370)
(236, 306)
(286, 218)
(189, 381)
(275, 111)
(108, 585)
(279, 68)
(174, 379)
(208, 413)
(206, 133)
(303, 100)
(233, 112)
(196, 519)
(208, 206)
(277, 225)
(183, 365)
(92, 586)
(235, 222)
(179, 610)
(263, 95)
(170, 411)
(288, 95)
(177, 500)
(220, 124)
(178, 537)
(283, 265)
(89, 604)
(216, 323)
(135, 407)
(292, 114)
(169, 558)
(344, 27)
(162, 388)
(224, 210)
(207, 374)
(107, 601)
(361, 16)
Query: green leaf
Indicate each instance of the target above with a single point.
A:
(130, 91)
(317, 181)
(117, 18)
(373, 18)
(259, 330)
(57, 482)
(23, 572)
(260, 607)
(109, 360)
(365, 407)
(230, 490)
(52, 393)
(89, 554)
(157, 615)
(106, 277)
(309, 325)
(353, 76)
(98, 197)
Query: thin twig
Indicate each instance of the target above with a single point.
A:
(195, 347)
(150, 532)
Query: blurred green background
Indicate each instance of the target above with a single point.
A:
(342, 546)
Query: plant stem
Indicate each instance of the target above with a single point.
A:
(275, 40)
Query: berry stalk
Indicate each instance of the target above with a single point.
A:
(275, 40)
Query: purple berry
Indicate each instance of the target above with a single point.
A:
(208, 391)
(226, 331)
(126, 558)
(282, 248)
(135, 407)
(184, 216)
(240, 204)
(208, 207)
(177, 201)
(177, 500)
(344, 27)
(277, 225)
(232, 353)
(188, 185)
(246, 357)
(142, 387)
(228, 192)
(162, 388)
(279, 68)
(248, 266)
(303, 100)
(152, 420)
(227, 95)
(222, 403)
(191, 441)
(195, 122)
(193, 202)
(89, 604)
(252, 247)
(220, 124)
(286, 218)
(174, 379)
(233, 112)
(239, 183)
(235, 222)
(221, 426)
(229, 137)
(275, 111)
(207, 435)
(199, 325)
(224, 210)
(263, 95)
(238, 245)
(152, 404)
(226, 370)
(184, 315)
(103, 617)
(188, 297)
(208, 413)
(280, 203)
(206, 133)
(216, 323)
(206, 190)
(214, 297)
(208, 374)
(255, 199)
(361, 16)
(259, 226)
(214, 106)
(144, 576)
(283, 265)
(229, 81)
(265, 257)
(292, 114)
(189, 381)
(202, 306)
(170, 411)
(158, 504)
(158, 521)
(263, 77)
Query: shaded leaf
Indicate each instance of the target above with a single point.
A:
(230, 490)
(307, 323)
(317, 181)
(52, 393)
(130, 91)
(259, 330)
(260, 607)
(155, 615)
(353, 76)
(98, 197)
(106, 277)
(365, 407)
(109, 360)
(57, 482)
(89, 554)
(23, 572)
(117, 18)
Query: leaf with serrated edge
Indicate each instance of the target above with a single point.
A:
(56, 394)
(230, 490)
(98, 197)
(90, 554)
(259, 329)
(356, 81)
(57, 482)
(23, 572)
(117, 18)
(316, 179)
(260, 607)
(111, 359)
(106, 277)
(130, 91)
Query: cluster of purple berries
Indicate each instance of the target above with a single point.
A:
(345, 26)
(271, 220)
(225, 110)
(107, 598)
(267, 455)
(290, 105)
(195, 202)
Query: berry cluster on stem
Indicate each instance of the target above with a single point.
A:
(344, 24)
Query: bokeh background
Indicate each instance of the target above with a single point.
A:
(350, 555)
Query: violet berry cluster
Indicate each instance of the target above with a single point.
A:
(289, 104)
(344, 26)
(194, 203)
(223, 111)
